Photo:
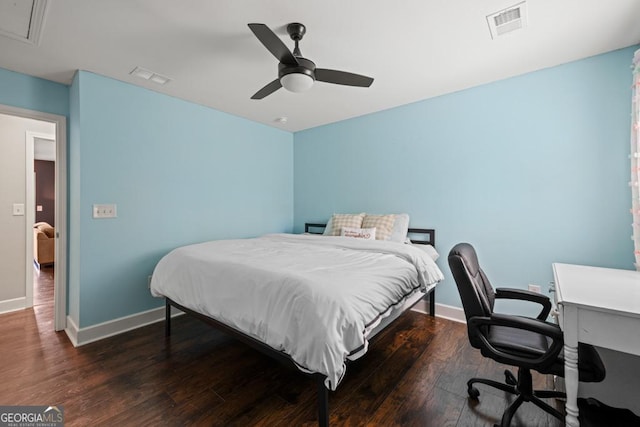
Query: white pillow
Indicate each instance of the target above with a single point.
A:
(328, 228)
(359, 233)
(400, 228)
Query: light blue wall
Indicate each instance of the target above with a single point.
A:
(31, 93)
(531, 170)
(178, 172)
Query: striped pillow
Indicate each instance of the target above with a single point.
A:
(338, 221)
(382, 223)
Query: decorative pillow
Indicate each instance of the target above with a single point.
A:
(382, 223)
(400, 228)
(359, 233)
(338, 221)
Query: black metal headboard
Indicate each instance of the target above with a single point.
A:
(418, 236)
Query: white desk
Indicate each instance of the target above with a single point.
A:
(599, 306)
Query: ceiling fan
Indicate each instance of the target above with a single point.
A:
(296, 73)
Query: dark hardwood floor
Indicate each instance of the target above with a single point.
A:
(414, 375)
(43, 285)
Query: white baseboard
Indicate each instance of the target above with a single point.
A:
(72, 331)
(450, 312)
(445, 311)
(14, 304)
(82, 336)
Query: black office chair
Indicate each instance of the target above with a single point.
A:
(520, 341)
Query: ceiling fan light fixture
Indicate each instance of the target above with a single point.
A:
(296, 82)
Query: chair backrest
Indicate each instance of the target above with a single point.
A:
(476, 292)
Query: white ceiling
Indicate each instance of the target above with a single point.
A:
(415, 49)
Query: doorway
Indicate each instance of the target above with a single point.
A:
(40, 198)
(24, 208)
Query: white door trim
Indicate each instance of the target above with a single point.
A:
(30, 207)
(60, 271)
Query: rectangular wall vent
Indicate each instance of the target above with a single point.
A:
(507, 20)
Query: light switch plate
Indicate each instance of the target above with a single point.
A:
(18, 209)
(105, 211)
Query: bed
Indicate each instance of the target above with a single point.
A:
(310, 301)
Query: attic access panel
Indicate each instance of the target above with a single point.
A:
(22, 19)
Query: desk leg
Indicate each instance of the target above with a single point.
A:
(571, 365)
(571, 384)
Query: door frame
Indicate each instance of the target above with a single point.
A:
(30, 207)
(60, 271)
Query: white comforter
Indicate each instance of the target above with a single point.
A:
(316, 298)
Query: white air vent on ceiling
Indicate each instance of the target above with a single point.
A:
(508, 20)
(22, 20)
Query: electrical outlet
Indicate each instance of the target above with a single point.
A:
(535, 288)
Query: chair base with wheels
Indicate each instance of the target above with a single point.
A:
(523, 389)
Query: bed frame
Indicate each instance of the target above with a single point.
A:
(422, 236)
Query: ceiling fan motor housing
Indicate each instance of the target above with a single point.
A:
(304, 66)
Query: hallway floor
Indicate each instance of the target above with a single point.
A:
(43, 286)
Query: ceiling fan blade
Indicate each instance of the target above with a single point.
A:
(273, 44)
(342, 78)
(268, 89)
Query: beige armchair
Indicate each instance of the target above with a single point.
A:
(43, 244)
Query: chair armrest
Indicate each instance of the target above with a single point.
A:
(521, 294)
(550, 330)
